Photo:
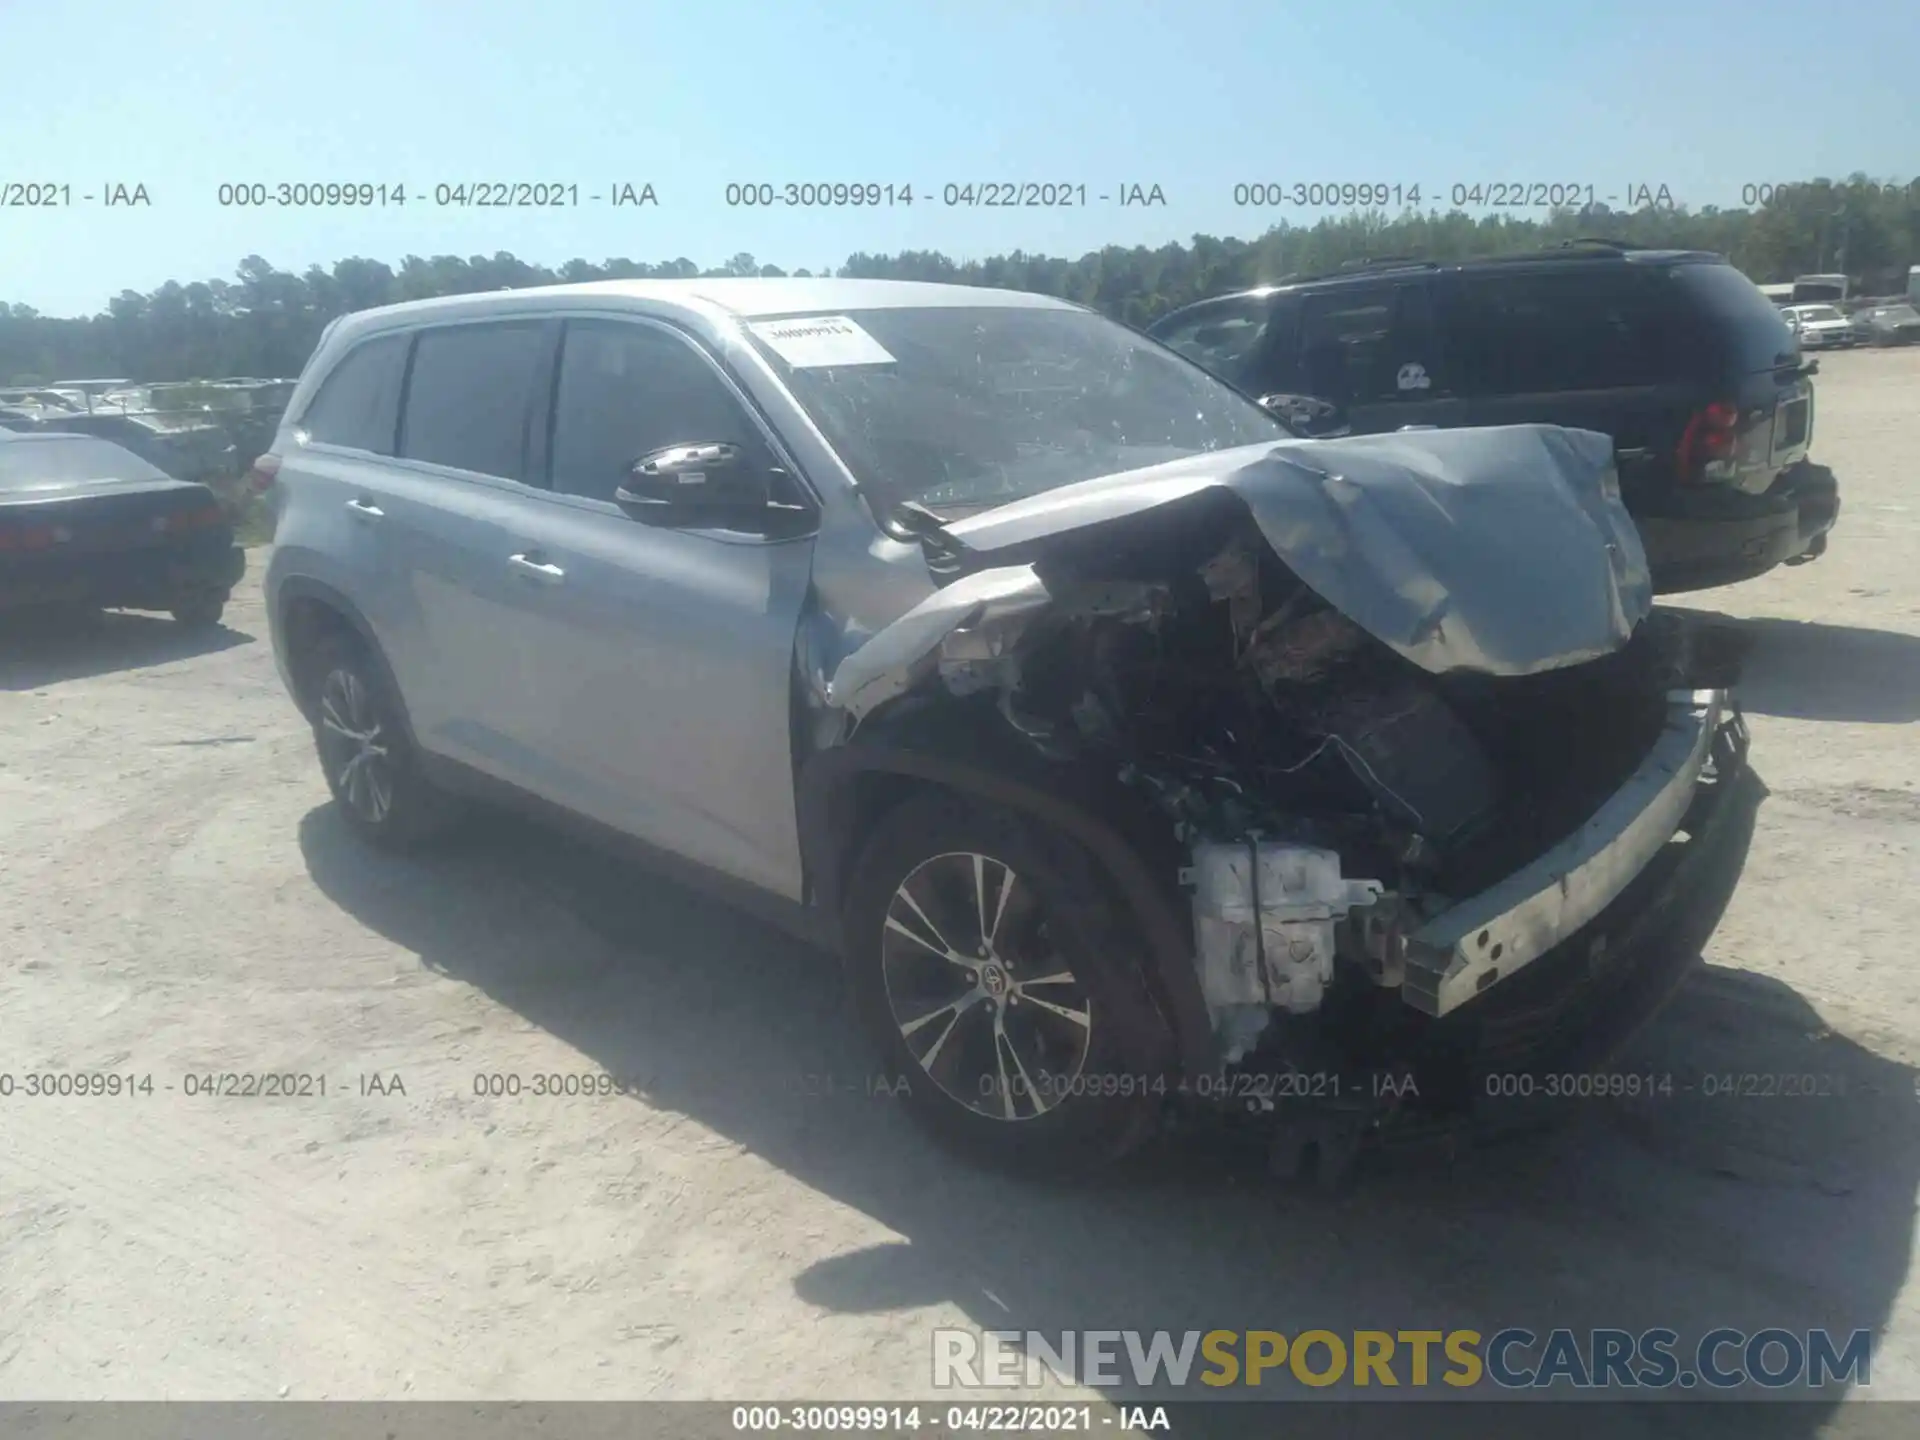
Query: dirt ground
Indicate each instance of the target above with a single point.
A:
(176, 899)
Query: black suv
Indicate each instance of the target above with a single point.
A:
(1675, 354)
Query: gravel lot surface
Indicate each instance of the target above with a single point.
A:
(177, 899)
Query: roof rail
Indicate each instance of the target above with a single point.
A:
(1369, 262)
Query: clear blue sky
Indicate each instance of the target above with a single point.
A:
(1703, 96)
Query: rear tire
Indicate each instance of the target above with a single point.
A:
(369, 763)
(1002, 983)
(201, 612)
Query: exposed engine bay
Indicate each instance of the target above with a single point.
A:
(1374, 833)
(1319, 782)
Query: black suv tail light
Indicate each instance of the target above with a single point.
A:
(1707, 445)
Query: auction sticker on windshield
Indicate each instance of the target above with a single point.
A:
(819, 342)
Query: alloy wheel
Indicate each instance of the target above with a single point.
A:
(354, 746)
(983, 998)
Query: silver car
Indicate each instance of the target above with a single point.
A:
(1141, 758)
(1820, 327)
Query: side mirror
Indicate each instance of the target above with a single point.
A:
(711, 481)
(1308, 414)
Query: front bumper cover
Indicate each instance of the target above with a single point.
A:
(1497, 933)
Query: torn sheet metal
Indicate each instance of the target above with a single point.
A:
(992, 605)
(1504, 550)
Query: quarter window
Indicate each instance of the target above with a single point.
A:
(358, 404)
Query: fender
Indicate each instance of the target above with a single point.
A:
(968, 748)
(302, 587)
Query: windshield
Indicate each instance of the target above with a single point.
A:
(1819, 312)
(961, 407)
(32, 464)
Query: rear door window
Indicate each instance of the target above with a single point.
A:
(1538, 331)
(1366, 346)
(1221, 336)
(473, 396)
(358, 404)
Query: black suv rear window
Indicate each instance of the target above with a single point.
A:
(1747, 327)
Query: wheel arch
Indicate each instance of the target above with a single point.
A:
(843, 792)
(303, 611)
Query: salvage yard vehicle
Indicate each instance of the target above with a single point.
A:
(184, 446)
(1820, 327)
(1887, 325)
(1674, 353)
(1141, 758)
(85, 522)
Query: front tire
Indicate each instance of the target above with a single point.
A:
(369, 763)
(1002, 983)
(200, 612)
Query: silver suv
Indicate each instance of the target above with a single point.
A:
(1141, 758)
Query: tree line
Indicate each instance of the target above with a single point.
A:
(265, 321)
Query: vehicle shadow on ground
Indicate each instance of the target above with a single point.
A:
(40, 650)
(1804, 670)
(1719, 1200)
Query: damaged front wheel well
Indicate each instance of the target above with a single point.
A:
(846, 792)
(857, 807)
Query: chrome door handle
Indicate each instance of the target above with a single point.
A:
(362, 510)
(537, 570)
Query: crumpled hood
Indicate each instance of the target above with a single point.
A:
(1504, 550)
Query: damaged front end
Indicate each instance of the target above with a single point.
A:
(1446, 797)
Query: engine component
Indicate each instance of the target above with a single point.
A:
(1420, 760)
(1264, 915)
(1383, 941)
(1288, 651)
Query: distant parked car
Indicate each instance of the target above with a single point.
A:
(1887, 325)
(85, 522)
(1821, 327)
(185, 446)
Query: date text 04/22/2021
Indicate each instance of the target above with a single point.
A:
(460, 195)
(969, 194)
(1460, 195)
